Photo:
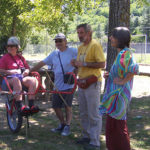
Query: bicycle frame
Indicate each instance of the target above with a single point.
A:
(14, 118)
(60, 92)
(43, 90)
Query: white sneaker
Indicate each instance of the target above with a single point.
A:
(58, 129)
(66, 131)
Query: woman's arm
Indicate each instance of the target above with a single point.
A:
(8, 72)
(122, 81)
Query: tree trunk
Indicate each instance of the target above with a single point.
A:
(119, 15)
(13, 32)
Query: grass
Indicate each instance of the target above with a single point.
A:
(40, 137)
(139, 123)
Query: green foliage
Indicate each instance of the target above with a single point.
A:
(11, 23)
(54, 14)
(145, 26)
(143, 2)
(97, 17)
(21, 16)
(3, 44)
(35, 40)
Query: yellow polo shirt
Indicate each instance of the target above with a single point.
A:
(92, 52)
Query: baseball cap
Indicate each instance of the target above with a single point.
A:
(13, 41)
(60, 36)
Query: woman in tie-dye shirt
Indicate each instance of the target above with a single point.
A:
(117, 95)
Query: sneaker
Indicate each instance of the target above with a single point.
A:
(58, 129)
(25, 110)
(66, 131)
(91, 147)
(34, 109)
(83, 141)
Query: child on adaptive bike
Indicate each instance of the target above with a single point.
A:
(15, 67)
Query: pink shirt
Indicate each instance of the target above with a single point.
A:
(9, 62)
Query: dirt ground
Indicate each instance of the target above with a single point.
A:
(141, 86)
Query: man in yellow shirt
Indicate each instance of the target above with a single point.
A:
(89, 62)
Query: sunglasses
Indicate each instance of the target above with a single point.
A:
(11, 46)
(58, 41)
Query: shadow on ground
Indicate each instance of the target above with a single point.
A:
(40, 137)
(139, 122)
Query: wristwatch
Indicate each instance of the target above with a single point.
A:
(84, 64)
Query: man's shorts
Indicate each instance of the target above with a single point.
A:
(57, 101)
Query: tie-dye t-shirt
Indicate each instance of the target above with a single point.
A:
(117, 97)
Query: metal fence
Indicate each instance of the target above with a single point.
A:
(34, 49)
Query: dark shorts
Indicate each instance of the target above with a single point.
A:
(4, 85)
(57, 101)
(5, 88)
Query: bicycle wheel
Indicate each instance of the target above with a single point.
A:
(14, 120)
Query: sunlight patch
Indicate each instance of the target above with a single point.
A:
(19, 138)
(146, 127)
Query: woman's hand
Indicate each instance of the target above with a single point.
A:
(106, 74)
(25, 73)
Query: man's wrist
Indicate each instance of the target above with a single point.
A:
(84, 64)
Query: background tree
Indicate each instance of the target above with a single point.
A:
(23, 17)
(19, 17)
(98, 33)
(146, 22)
(55, 14)
(11, 24)
(119, 15)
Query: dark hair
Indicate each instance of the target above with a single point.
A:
(122, 34)
(86, 27)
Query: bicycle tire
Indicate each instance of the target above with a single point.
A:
(15, 119)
